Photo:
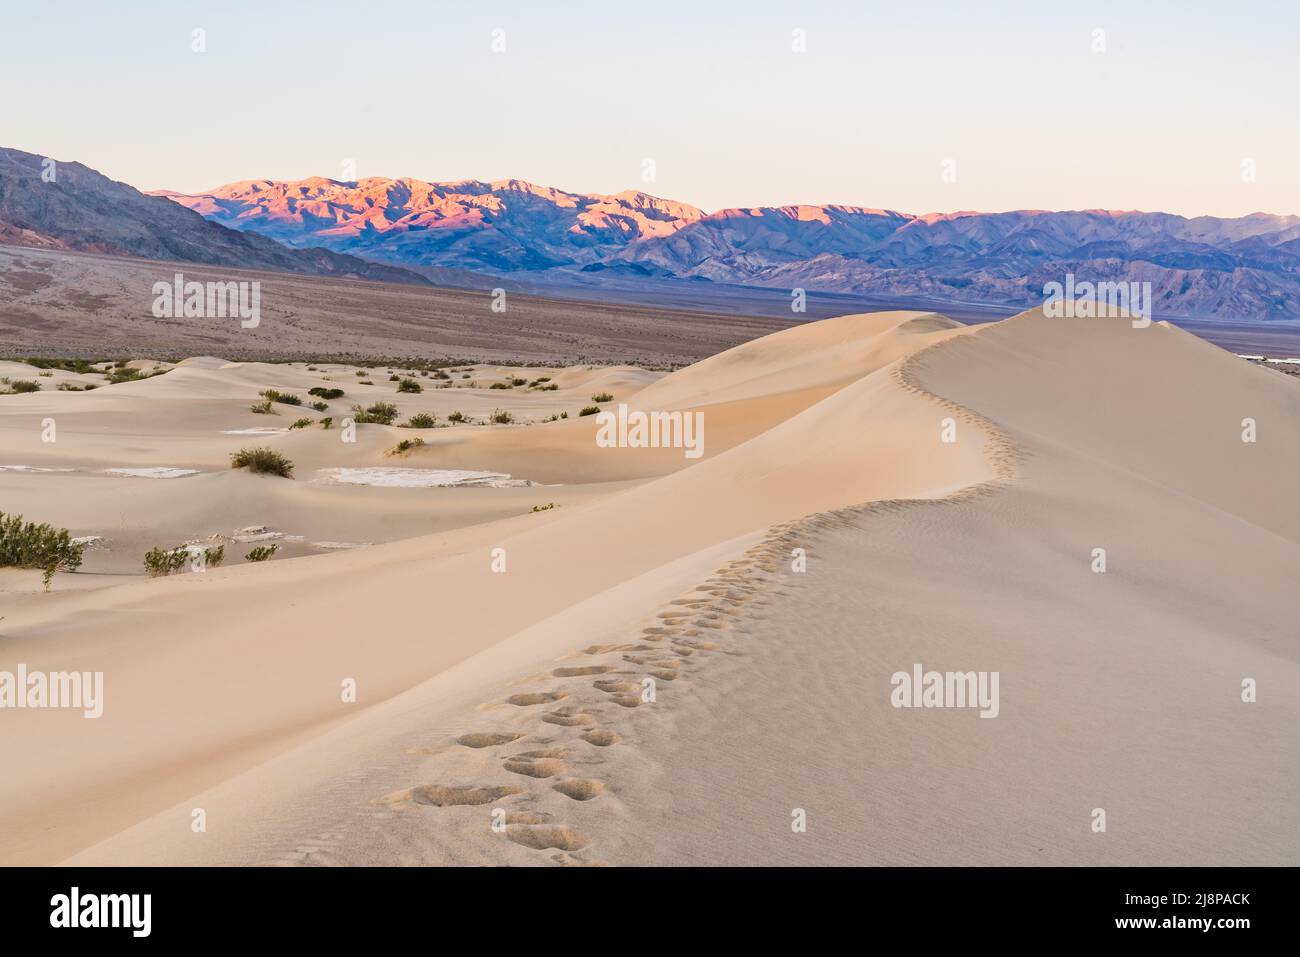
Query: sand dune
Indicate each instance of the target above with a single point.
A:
(524, 692)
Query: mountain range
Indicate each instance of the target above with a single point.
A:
(75, 207)
(1242, 268)
(472, 233)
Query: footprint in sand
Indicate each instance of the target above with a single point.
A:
(581, 671)
(487, 739)
(547, 836)
(601, 738)
(616, 686)
(527, 817)
(580, 789)
(536, 697)
(568, 718)
(546, 763)
(438, 795)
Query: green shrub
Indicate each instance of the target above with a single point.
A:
(159, 562)
(275, 395)
(590, 410)
(327, 422)
(366, 382)
(501, 385)
(544, 508)
(421, 420)
(405, 446)
(501, 417)
(556, 417)
(38, 546)
(409, 385)
(602, 397)
(456, 417)
(268, 461)
(24, 385)
(518, 381)
(263, 408)
(360, 373)
(80, 366)
(320, 406)
(394, 378)
(300, 424)
(325, 393)
(46, 375)
(261, 553)
(381, 413)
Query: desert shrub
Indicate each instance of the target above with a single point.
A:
(159, 561)
(409, 385)
(320, 406)
(590, 410)
(544, 508)
(540, 379)
(464, 375)
(38, 546)
(518, 381)
(325, 393)
(602, 397)
(261, 553)
(394, 378)
(405, 446)
(300, 424)
(263, 408)
(441, 375)
(381, 413)
(46, 375)
(366, 382)
(264, 460)
(286, 398)
(73, 387)
(213, 557)
(421, 420)
(501, 385)
(327, 422)
(80, 366)
(456, 417)
(501, 417)
(549, 387)
(24, 385)
(556, 417)
(360, 373)
(120, 373)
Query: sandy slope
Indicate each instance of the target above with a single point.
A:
(772, 688)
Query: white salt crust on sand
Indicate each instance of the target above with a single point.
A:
(420, 478)
(153, 472)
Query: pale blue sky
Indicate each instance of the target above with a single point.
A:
(712, 92)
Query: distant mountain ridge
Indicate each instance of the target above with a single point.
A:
(1242, 268)
(81, 209)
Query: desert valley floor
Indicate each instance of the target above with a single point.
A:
(948, 486)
